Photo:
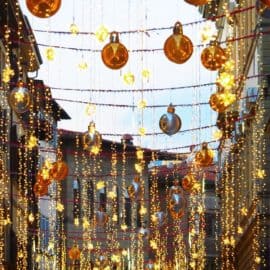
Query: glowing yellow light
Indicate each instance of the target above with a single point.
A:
(20, 254)
(153, 244)
(115, 258)
(154, 218)
(112, 194)
(7, 221)
(100, 185)
(19, 96)
(228, 98)
(260, 173)
(85, 223)
(138, 167)
(195, 255)
(90, 246)
(192, 264)
(76, 222)
(226, 241)
(90, 109)
(83, 66)
(50, 54)
(226, 80)
(142, 131)
(95, 149)
(200, 209)
(139, 154)
(146, 73)
(217, 134)
(74, 29)
(258, 260)
(60, 207)
(124, 227)
(142, 104)
(102, 33)
(239, 230)
(124, 252)
(51, 245)
(229, 65)
(244, 211)
(208, 33)
(32, 142)
(31, 218)
(114, 218)
(129, 78)
(38, 258)
(142, 210)
(7, 74)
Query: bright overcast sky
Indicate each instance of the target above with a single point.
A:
(121, 15)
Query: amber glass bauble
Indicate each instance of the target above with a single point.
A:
(197, 2)
(266, 2)
(177, 202)
(74, 253)
(114, 54)
(20, 98)
(216, 102)
(170, 123)
(45, 181)
(188, 182)
(43, 8)
(213, 57)
(40, 189)
(59, 170)
(204, 157)
(135, 190)
(178, 47)
(92, 139)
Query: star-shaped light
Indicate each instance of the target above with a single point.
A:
(244, 211)
(76, 222)
(228, 98)
(112, 194)
(142, 131)
(142, 210)
(50, 54)
(100, 185)
(85, 223)
(142, 104)
(139, 154)
(7, 73)
(102, 33)
(138, 167)
(258, 260)
(90, 109)
(7, 221)
(32, 142)
(123, 227)
(260, 173)
(226, 80)
(19, 96)
(95, 149)
(208, 33)
(31, 218)
(146, 73)
(114, 218)
(74, 29)
(153, 244)
(60, 207)
(129, 78)
(239, 230)
(83, 66)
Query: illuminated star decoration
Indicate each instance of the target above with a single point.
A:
(50, 54)
(59, 207)
(7, 74)
(102, 33)
(90, 109)
(74, 29)
(19, 96)
(32, 142)
(142, 104)
(129, 78)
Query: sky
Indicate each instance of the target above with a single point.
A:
(122, 15)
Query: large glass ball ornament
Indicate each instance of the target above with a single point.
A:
(135, 189)
(43, 180)
(170, 123)
(101, 218)
(20, 98)
(74, 253)
(178, 48)
(204, 157)
(266, 2)
(92, 139)
(40, 189)
(43, 8)
(59, 170)
(197, 2)
(213, 57)
(114, 54)
(188, 182)
(177, 202)
(216, 102)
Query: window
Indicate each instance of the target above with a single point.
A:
(44, 231)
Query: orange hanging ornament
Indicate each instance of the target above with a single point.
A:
(43, 8)
(197, 2)
(74, 253)
(40, 190)
(188, 182)
(114, 54)
(266, 2)
(213, 57)
(45, 181)
(216, 102)
(204, 157)
(178, 47)
(59, 170)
